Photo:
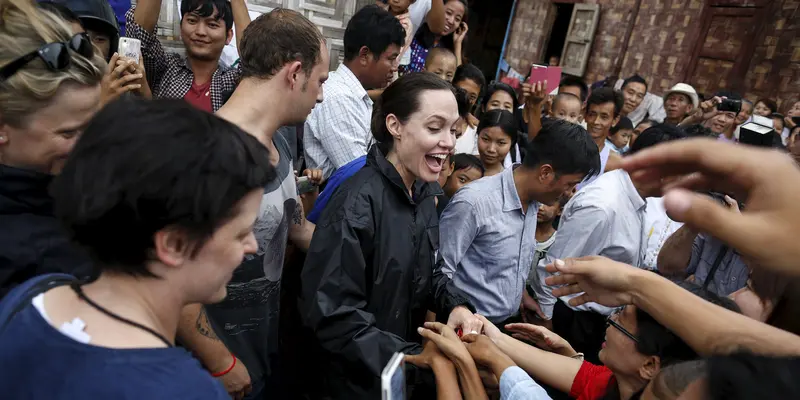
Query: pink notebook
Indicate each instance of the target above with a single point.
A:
(552, 75)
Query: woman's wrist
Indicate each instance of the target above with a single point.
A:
(500, 364)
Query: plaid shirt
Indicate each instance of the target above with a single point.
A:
(170, 75)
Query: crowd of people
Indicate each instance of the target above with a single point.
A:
(175, 227)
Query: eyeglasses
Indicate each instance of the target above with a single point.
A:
(55, 55)
(610, 321)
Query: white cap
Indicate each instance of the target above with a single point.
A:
(684, 89)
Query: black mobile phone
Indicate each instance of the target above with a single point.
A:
(729, 105)
(796, 121)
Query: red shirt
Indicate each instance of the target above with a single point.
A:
(591, 382)
(200, 96)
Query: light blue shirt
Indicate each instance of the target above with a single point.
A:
(488, 244)
(606, 218)
(515, 384)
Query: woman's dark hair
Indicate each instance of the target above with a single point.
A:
(657, 134)
(469, 72)
(61, 10)
(655, 339)
(501, 119)
(131, 178)
(769, 103)
(496, 87)
(463, 161)
(426, 38)
(401, 99)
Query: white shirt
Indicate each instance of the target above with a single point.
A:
(338, 129)
(606, 219)
(418, 11)
(468, 144)
(658, 227)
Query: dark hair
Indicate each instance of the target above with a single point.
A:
(656, 340)
(650, 122)
(783, 292)
(606, 95)
(61, 10)
(502, 119)
(496, 87)
(463, 161)
(673, 380)
(426, 38)
(564, 96)
(624, 123)
(744, 375)
(132, 179)
(462, 99)
(636, 78)
(698, 130)
(206, 8)
(277, 38)
(566, 146)
(769, 103)
(574, 81)
(657, 134)
(401, 99)
(439, 52)
(374, 28)
(469, 72)
(730, 95)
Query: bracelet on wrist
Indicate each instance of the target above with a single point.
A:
(229, 369)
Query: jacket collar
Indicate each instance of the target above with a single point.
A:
(24, 191)
(422, 190)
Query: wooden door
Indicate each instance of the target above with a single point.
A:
(579, 38)
(724, 47)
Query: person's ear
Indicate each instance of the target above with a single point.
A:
(293, 71)
(229, 37)
(546, 174)
(616, 120)
(650, 368)
(364, 56)
(394, 126)
(171, 247)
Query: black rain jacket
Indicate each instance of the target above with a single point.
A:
(369, 279)
(32, 241)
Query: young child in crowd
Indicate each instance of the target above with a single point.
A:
(497, 134)
(465, 169)
(778, 122)
(567, 107)
(399, 8)
(620, 135)
(441, 62)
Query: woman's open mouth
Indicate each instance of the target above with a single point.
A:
(435, 161)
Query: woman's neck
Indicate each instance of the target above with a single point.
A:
(406, 175)
(151, 302)
(628, 386)
(493, 169)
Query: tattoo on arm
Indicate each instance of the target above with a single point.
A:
(204, 325)
(297, 216)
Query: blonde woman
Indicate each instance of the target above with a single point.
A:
(49, 90)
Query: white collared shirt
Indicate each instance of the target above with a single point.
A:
(338, 130)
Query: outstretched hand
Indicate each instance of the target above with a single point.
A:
(599, 279)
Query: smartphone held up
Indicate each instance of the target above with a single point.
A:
(130, 48)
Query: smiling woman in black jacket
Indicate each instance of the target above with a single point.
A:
(369, 276)
(42, 113)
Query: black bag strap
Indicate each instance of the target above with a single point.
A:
(35, 287)
(714, 267)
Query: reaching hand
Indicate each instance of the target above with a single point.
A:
(314, 175)
(534, 94)
(485, 352)
(430, 356)
(446, 340)
(601, 280)
(237, 381)
(489, 329)
(757, 177)
(461, 33)
(462, 317)
(530, 309)
(542, 338)
(119, 79)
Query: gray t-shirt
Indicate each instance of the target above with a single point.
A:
(247, 320)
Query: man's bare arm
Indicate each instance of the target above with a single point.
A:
(146, 14)
(241, 18)
(675, 254)
(300, 229)
(195, 331)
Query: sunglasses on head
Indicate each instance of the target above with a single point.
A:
(55, 55)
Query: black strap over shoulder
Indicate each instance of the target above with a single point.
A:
(714, 267)
(36, 287)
